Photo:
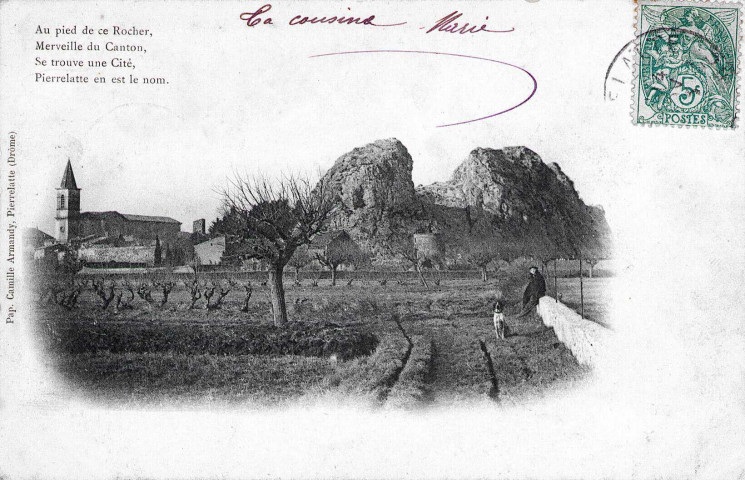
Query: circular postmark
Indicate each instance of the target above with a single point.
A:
(685, 66)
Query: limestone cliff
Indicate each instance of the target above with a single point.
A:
(376, 176)
(508, 193)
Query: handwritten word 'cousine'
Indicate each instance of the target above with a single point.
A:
(253, 19)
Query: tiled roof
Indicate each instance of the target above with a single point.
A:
(36, 234)
(68, 179)
(213, 241)
(131, 218)
(99, 215)
(148, 218)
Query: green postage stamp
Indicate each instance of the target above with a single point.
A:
(687, 63)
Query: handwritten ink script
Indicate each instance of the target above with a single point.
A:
(450, 23)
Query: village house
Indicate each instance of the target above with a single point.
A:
(72, 224)
(210, 252)
(107, 238)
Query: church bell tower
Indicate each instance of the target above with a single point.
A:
(68, 207)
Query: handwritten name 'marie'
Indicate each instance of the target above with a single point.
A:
(253, 19)
(447, 24)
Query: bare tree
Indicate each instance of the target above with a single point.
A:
(479, 253)
(249, 290)
(593, 249)
(339, 251)
(121, 302)
(194, 293)
(404, 247)
(69, 299)
(224, 290)
(105, 292)
(270, 220)
(299, 259)
(592, 262)
(209, 291)
(145, 290)
(540, 245)
(165, 287)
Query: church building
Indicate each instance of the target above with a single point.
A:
(71, 223)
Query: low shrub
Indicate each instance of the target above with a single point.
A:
(347, 306)
(334, 310)
(410, 389)
(309, 339)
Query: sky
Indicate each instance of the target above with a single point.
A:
(253, 100)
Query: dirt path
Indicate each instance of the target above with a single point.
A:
(527, 362)
(595, 295)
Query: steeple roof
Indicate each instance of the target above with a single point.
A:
(68, 179)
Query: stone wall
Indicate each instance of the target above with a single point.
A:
(586, 339)
(141, 255)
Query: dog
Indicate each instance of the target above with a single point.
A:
(499, 324)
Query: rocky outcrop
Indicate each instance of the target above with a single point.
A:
(508, 193)
(514, 189)
(510, 183)
(376, 194)
(376, 176)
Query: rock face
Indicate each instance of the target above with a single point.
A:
(508, 194)
(376, 176)
(516, 190)
(501, 182)
(376, 194)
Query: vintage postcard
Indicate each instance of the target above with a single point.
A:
(371, 239)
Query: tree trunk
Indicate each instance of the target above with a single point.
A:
(483, 273)
(421, 276)
(592, 266)
(333, 276)
(277, 291)
(297, 274)
(556, 284)
(581, 290)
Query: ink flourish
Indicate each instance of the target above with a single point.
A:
(422, 52)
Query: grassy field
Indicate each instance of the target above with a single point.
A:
(154, 378)
(444, 365)
(596, 296)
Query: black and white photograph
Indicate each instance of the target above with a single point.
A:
(359, 285)
(372, 240)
